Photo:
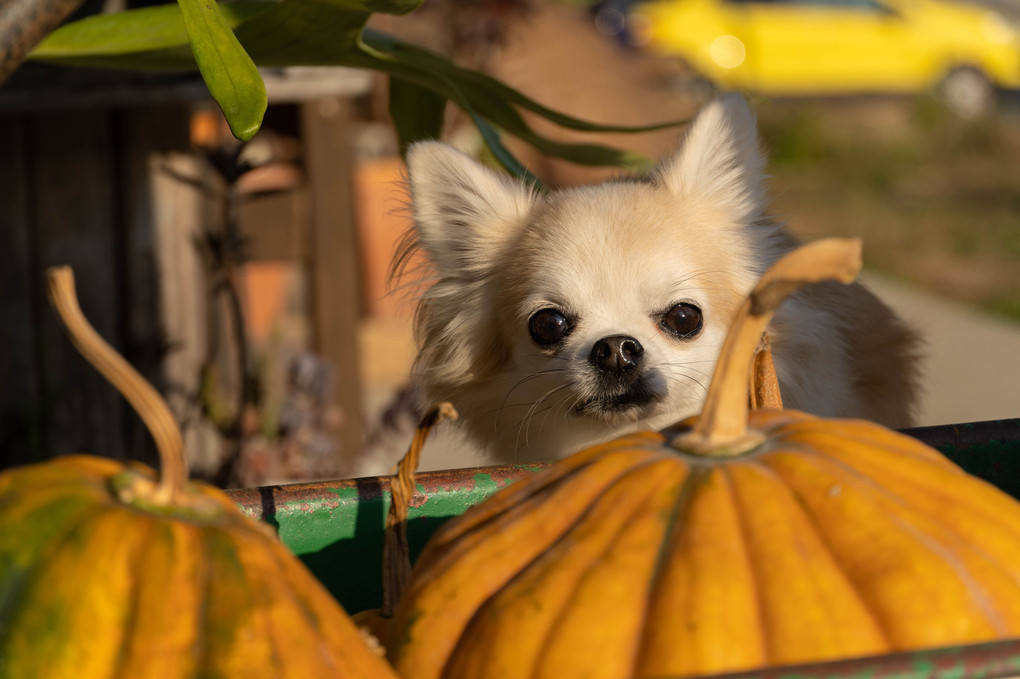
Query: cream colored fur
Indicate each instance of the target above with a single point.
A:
(614, 257)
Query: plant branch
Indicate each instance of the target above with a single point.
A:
(23, 23)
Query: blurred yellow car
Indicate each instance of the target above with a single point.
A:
(796, 47)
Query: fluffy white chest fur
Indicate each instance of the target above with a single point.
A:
(554, 321)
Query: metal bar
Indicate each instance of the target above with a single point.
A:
(976, 661)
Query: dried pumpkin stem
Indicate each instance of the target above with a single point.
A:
(722, 427)
(146, 401)
(765, 392)
(396, 552)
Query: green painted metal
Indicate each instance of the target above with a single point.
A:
(336, 527)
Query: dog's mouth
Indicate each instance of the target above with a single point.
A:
(633, 403)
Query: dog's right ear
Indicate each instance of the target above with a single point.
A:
(463, 211)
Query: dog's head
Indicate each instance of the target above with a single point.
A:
(596, 309)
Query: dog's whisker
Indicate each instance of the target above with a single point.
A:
(522, 381)
(548, 411)
(687, 380)
(686, 372)
(524, 427)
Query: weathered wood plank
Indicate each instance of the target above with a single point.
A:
(73, 202)
(145, 135)
(334, 264)
(184, 304)
(21, 430)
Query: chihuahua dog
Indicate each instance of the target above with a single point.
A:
(557, 320)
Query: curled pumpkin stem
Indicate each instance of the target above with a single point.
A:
(396, 552)
(142, 396)
(722, 427)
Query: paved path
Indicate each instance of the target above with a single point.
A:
(972, 360)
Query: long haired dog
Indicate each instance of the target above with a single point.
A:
(554, 321)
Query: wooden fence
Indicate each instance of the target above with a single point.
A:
(95, 181)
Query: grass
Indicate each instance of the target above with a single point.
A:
(935, 198)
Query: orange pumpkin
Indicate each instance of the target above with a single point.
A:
(107, 570)
(730, 542)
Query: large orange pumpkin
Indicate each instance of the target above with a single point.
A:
(108, 570)
(729, 542)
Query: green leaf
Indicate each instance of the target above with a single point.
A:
(149, 38)
(486, 98)
(228, 71)
(417, 112)
(386, 47)
(332, 32)
(503, 156)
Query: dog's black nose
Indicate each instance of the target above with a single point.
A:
(616, 354)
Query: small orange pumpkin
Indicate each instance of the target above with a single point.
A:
(730, 542)
(107, 570)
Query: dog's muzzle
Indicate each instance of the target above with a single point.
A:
(620, 385)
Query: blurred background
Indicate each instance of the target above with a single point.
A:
(250, 282)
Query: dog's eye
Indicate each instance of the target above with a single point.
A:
(549, 326)
(683, 321)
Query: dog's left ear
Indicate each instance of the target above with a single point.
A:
(719, 160)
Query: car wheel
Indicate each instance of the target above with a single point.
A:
(967, 92)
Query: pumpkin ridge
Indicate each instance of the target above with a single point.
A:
(157, 593)
(593, 525)
(52, 654)
(804, 451)
(339, 630)
(922, 540)
(274, 569)
(299, 587)
(434, 578)
(235, 614)
(706, 595)
(820, 531)
(752, 567)
(12, 497)
(9, 604)
(298, 601)
(917, 503)
(976, 590)
(864, 434)
(947, 542)
(261, 596)
(660, 484)
(435, 555)
(202, 650)
(21, 519)
(697, 475)
(958, 490)
(133, 596)
(520, 491)
(437, 552)
(32, 498)
(832, 589)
